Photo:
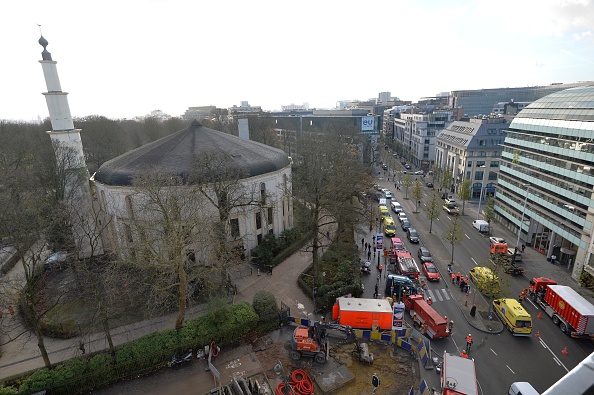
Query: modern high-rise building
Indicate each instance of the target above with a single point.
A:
(481, 101)
(546, 178)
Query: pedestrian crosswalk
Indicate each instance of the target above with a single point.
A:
(438, 295)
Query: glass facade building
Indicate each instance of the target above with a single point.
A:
(547, 177)
(482, 101)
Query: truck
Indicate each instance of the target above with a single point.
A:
(363, 313)
(397, 285)
(569, 310)
(458, 376)
(434, 325)
(481, 226)
(514, 316)
(406, 265)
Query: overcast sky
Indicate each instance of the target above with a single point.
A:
(126, 58)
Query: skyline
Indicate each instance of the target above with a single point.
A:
(126, 59)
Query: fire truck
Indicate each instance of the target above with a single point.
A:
(569, 310)
(458, 376)
(406, 265)
(433, 324)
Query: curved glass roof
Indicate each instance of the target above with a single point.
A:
(574, 104)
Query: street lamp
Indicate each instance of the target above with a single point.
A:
(527, 186)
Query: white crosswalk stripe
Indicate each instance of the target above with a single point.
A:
(436, 294)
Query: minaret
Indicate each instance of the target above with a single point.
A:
(69, 152)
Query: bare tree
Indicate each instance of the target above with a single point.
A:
(172, 219)
(446, 180)
(489, 211)
(453, 235)
(464, 192)
(417, 194)
(407, 182)
(433, 210)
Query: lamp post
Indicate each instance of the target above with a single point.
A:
(527, 186)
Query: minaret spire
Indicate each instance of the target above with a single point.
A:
(69, 153)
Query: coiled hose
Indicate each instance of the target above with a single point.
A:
(300, 384)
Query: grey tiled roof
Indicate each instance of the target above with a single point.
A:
(177, 153)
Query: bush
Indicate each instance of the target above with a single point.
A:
(265, 306)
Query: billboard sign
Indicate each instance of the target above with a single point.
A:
(398, 318)
(367, 124)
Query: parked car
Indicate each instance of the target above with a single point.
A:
(424, 255)
(396, 207)
(430, 271)
(388, 194)
(385, 167)
(407, 167)
(429, 185)
(419, 173)
(413, 235)
(402, 216)
(497, 240)
(55, 261)
(405, 224)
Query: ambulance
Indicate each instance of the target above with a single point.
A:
(514, 316)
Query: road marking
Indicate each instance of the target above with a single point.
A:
(445, 293)
(555, 358)
(468, 237)
(510, 369)
(475, 264)
(493, 351)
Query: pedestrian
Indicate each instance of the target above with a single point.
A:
(362, 241)
(374, 250)
(365, 246)
(375, 381)
(464, 354)
(458, 278)
(449, 268)
(81, 347)
(380, 269)
(468, 342)
(328, 234)
(376, 294)
(395, 186)
(373, 237)
(462, 285)
(368, 255)
(523, 247)
(453, 278)
(451, 326)
(553, 258)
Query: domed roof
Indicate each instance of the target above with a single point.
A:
(176, 154)
(574, 104)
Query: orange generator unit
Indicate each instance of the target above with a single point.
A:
(363, 313)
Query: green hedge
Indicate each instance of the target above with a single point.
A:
(79, 375)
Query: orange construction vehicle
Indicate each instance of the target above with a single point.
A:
(434, 325)
(568, 309)
(310, 342)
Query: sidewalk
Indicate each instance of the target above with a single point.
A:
(23, 355)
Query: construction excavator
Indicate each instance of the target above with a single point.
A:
(312, 341)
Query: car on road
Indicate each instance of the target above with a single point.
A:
(379, 187)
(405, 224)
(413, 235)
(402, 216)
(429, 185)
(430, 271)
(485, 281)
(385, 167)
(57, 260)
(407, 167)
(396, 207)
(388, 194)
(497, 240)
(424, 255)
(419, 173)
(403, 163)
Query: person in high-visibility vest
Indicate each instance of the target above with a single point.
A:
(468, 342)
(464, 354)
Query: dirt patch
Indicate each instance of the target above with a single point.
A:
(398, 373)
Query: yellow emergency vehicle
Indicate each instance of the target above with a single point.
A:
(389, 226)
(511, 312)
(384, 213)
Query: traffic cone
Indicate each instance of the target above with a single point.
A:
(539, 315)
(564, 351)
(537, 334)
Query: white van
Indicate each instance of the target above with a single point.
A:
(396, 207)
(480, 225)
(522, 388)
